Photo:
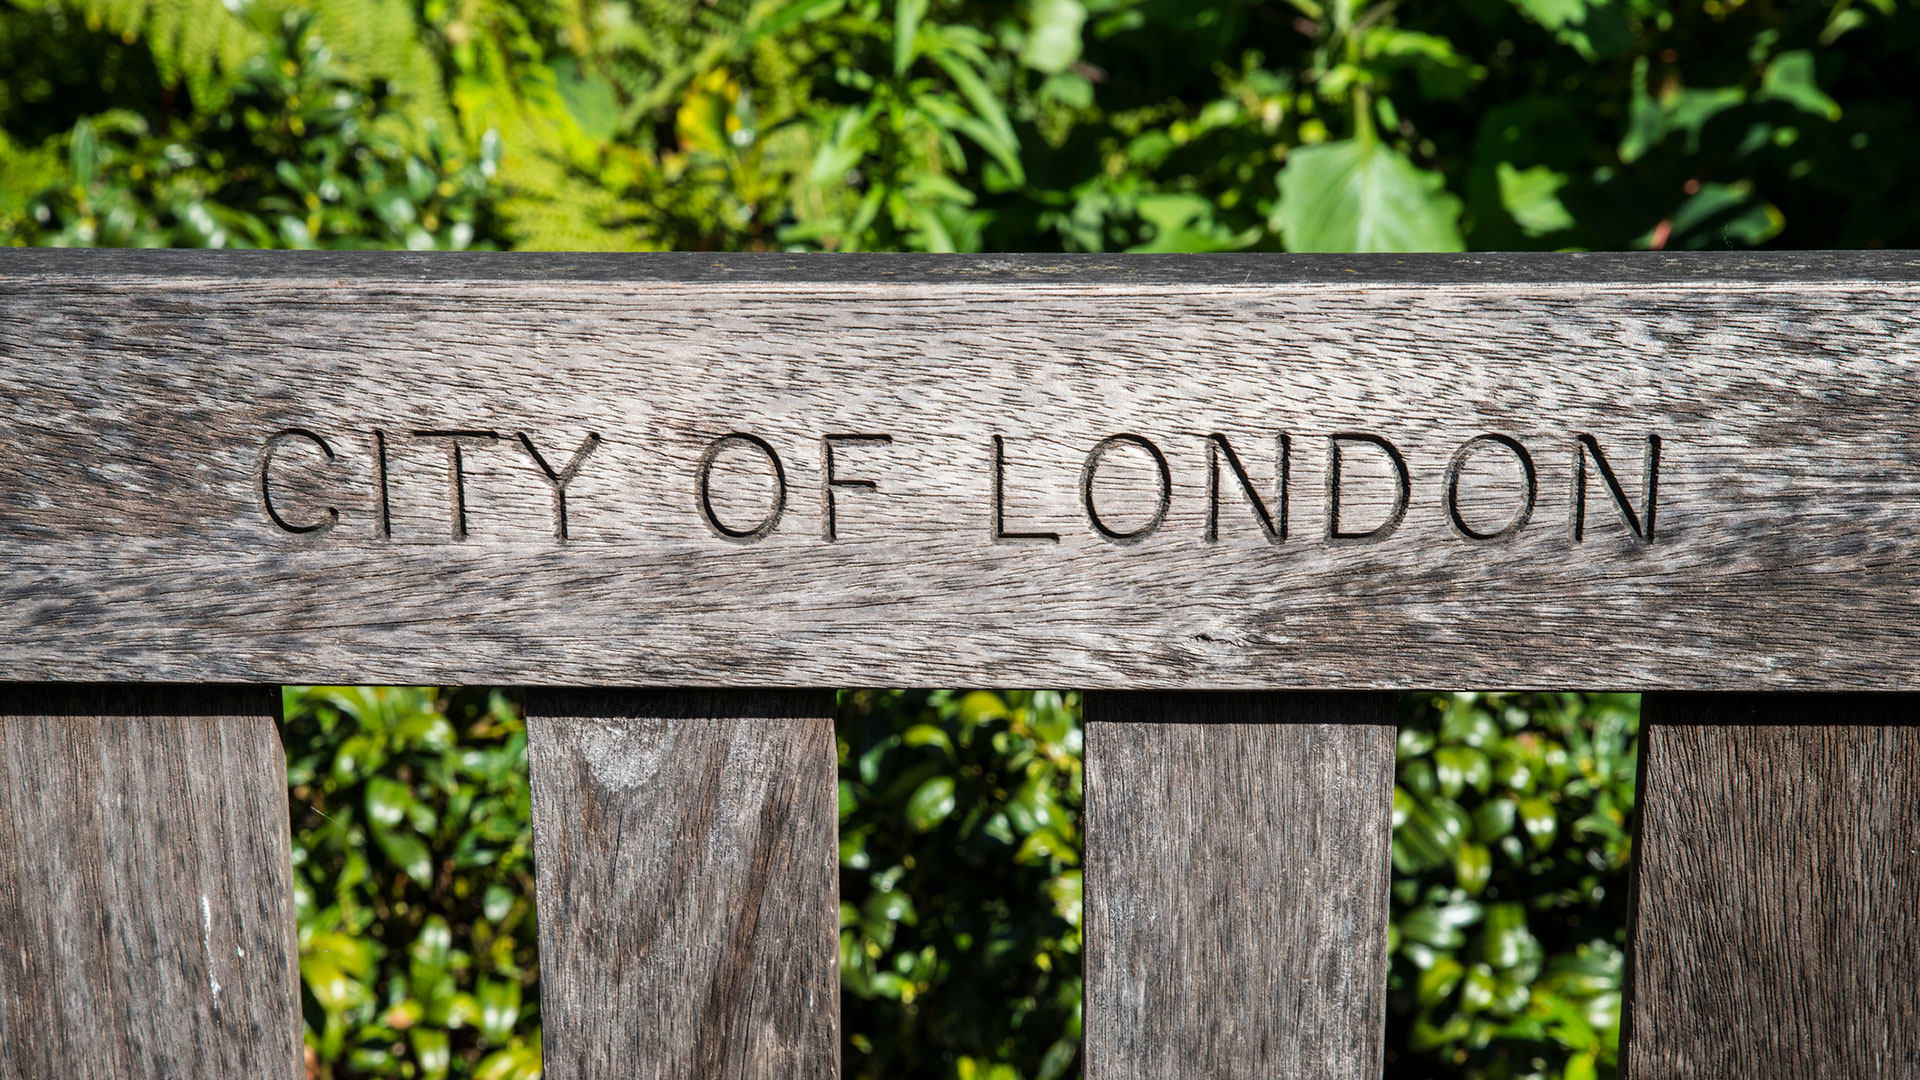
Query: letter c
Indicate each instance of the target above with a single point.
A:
(266, 482)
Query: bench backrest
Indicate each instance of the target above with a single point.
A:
(1236, 498)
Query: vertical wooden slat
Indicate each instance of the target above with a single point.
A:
(1777, 898)
(686, 849)
(1236, 884)
(146, 904)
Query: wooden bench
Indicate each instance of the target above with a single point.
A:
(1239, 499)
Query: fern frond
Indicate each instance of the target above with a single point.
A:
(203, 43)
(384, 39)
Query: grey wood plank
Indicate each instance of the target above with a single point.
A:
(687, 864)
(146, 899)
(1022, 459)
(1595, 267)
(1236, 884)
(1777, 925)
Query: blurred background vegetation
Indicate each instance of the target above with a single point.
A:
(958, 125)
(960, 909)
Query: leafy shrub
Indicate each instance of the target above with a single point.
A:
(1510, 856)
(413, 877)
(967, 125)
(960, 851)
(960, 884)
(297, 150)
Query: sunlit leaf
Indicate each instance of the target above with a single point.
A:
(1360, 195)
(1053, 34)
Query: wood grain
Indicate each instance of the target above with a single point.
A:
(687, 859)
(1236, 884)
(146, 900)
(509, 452)
(1777, 927)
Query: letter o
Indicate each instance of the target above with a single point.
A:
(1086, 488)
(772, 519)
(1520, 517)
(266, 482)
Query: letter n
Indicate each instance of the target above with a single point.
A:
(1274, 524)
(1586, 446)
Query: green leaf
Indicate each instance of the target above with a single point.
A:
(1790, 79)
(1532, 196)
(980, 706)
(1443, 73)
(431, 1050)
(1492, 820)
(387, 801)
(499, 1007)
(930, 803)
(1594, 29)
(514, 1063)
(1043, 845)
(792, 14)
(1066, 892)
(1478, 990)
(1053, 34)
(1363, 196)
(498, 902)
(334, 967)
(928, 735)
(1540, 822)
(1508, 944)
(1459, 767)
(406, 851)
(1440, 925)
(83, 151)
(1725, 215)
(1438, 981)
(592, 103)
(1472, 867)
(1185, 222)
(999, 139)
(906, 29)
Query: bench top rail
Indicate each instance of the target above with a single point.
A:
(1629, 471)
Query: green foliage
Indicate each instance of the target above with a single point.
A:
(960, 884)
(1359, 195)
(960, 853)
(1099, 125)
(1510, 854)
(298, 153)
(413, 882)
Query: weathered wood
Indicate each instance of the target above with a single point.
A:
(687, 857)
(876, 471)
(1236, 884)
(1777, 925)
(146, 895)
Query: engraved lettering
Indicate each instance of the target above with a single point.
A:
(1520, 517)
(558, 481)
(1273, 524)
(1586, 445)
(380, 480)
(319, 525)
(456, 472)
(1165, 493)
(766, 524)
(1403, 493)
(834, 480)
(1000, 531)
